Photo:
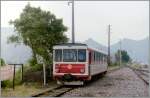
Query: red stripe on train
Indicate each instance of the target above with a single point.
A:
(70, 68)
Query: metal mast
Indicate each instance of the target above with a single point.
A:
(73, 37)
(108, 45)
(120, 54)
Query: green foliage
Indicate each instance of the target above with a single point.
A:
(39, 30)
(2, 62)
(32, 62)
(125, 58)
(14, 39)
(114, 64)
(6, 83)
(18, 77)
(34, 66)
(9, 83)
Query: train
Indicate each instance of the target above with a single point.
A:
(76, 63)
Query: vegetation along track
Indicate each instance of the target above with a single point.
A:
(142, 74)
(115, 69)
(55, 92)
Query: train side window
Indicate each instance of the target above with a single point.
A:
(90, 58)
(58, 55)
(101, 58)
(94, 57)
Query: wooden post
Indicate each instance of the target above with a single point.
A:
(14, 77)
(22, 73)
(44, 74)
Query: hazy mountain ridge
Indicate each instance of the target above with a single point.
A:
(92, 43)
(22, 53)
(13, 53)
(137, 49)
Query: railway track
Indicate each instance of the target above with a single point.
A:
(142, 74)
(55, 92)
(60, 90)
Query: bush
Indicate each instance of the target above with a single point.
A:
(114, 64)
(9, 83)
(34, 66)
(6, 83)
(2, 62)
(32, 62)
(18, 77)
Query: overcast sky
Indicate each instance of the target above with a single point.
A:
(128, 19)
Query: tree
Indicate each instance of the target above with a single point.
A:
(124, 56)
(39, 30)
(2, 62)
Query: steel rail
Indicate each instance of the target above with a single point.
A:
(138, 72)
(55, 92)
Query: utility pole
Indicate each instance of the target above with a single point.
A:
(73, 36)
(149, 48)
(44, 74)
(108, 61)
(40, 60)
(120, 61)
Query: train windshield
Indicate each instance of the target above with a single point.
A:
(81, 55)
(69, 55)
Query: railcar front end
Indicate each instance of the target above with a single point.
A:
(70, 63)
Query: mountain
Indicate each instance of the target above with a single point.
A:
(91, 43)
(13, 53)
(137, 49)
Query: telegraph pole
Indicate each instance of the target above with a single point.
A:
(120, 54)
(149, 50)
(108, 45)
(73, 36)
(44, 74)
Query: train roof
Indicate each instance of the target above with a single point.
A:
(73, 44)
(81, 44)
(98, 50)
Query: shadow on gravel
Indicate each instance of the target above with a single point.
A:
(94, 79)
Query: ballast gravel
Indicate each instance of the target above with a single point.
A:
(120, 83)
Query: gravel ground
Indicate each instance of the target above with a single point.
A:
(123, 82)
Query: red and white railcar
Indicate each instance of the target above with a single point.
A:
(76, 63)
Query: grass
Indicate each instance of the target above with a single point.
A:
(26, 90)
(135, 65)
(112, 67)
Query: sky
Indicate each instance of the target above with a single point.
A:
(128, 19)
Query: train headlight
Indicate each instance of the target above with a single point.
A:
(56, 70)
(69, 66)
(82, 70)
